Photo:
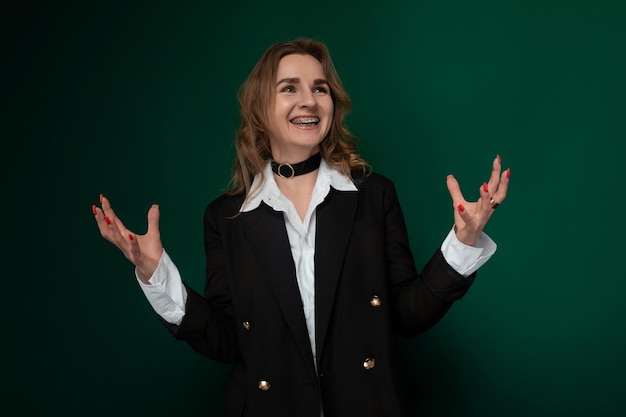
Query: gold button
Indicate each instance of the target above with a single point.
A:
(264, 385)
(246, 325)
(369, 363)
(375, 301)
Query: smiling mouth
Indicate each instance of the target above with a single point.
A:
(305, 121)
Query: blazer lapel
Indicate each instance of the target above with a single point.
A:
(335, 217)
(267, 233)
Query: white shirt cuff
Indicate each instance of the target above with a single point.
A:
(166, 293)
(467, 259)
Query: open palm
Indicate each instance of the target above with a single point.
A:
(144, 251)
(470, 218)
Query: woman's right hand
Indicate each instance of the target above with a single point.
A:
(144, 251)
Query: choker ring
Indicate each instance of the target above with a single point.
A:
(293, 170)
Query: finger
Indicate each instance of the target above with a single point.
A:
(455, 190)
(500, 195)
(111, 227)
(134, 253)
(110, 213)
(485, 195)
(106, 205)
(494, 178)
(463, 213)
(101, 222)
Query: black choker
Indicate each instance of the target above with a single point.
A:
(293, 170)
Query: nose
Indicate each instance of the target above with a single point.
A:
(307, 99)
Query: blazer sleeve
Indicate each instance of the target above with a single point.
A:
(208, 325)
(420, 299)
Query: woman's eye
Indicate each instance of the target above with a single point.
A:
(288, 89)
(322, 90)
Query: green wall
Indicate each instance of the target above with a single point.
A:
(137, 101)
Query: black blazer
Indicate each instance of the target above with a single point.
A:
(366, 289)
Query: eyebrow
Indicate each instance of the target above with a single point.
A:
(318, 81)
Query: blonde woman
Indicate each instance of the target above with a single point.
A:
(309, 272)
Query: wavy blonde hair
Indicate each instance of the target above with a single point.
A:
(256, 97)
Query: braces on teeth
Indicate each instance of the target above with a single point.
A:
(306, 121)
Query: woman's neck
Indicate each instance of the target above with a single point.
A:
(298, 190)
(293, 156)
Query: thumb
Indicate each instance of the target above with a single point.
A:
(454, 189)
(153, 219)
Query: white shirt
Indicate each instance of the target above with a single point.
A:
(167, 295)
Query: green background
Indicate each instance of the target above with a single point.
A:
(137, 101)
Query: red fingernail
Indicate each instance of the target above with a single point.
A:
(508, 173)
(100, 198)
(107, 220)
(93, 207)
(499, 160)
(485, 188)
(461, 208)
(130, 237)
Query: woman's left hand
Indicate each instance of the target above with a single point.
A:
(470, 218)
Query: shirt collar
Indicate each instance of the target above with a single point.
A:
(268, 191)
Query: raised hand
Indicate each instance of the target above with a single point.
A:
(144, 251)
(470, 218)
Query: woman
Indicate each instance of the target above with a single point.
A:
(309, 271)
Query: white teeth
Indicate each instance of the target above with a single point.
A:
(305, 121)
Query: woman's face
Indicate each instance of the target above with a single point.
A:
(302, 110)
